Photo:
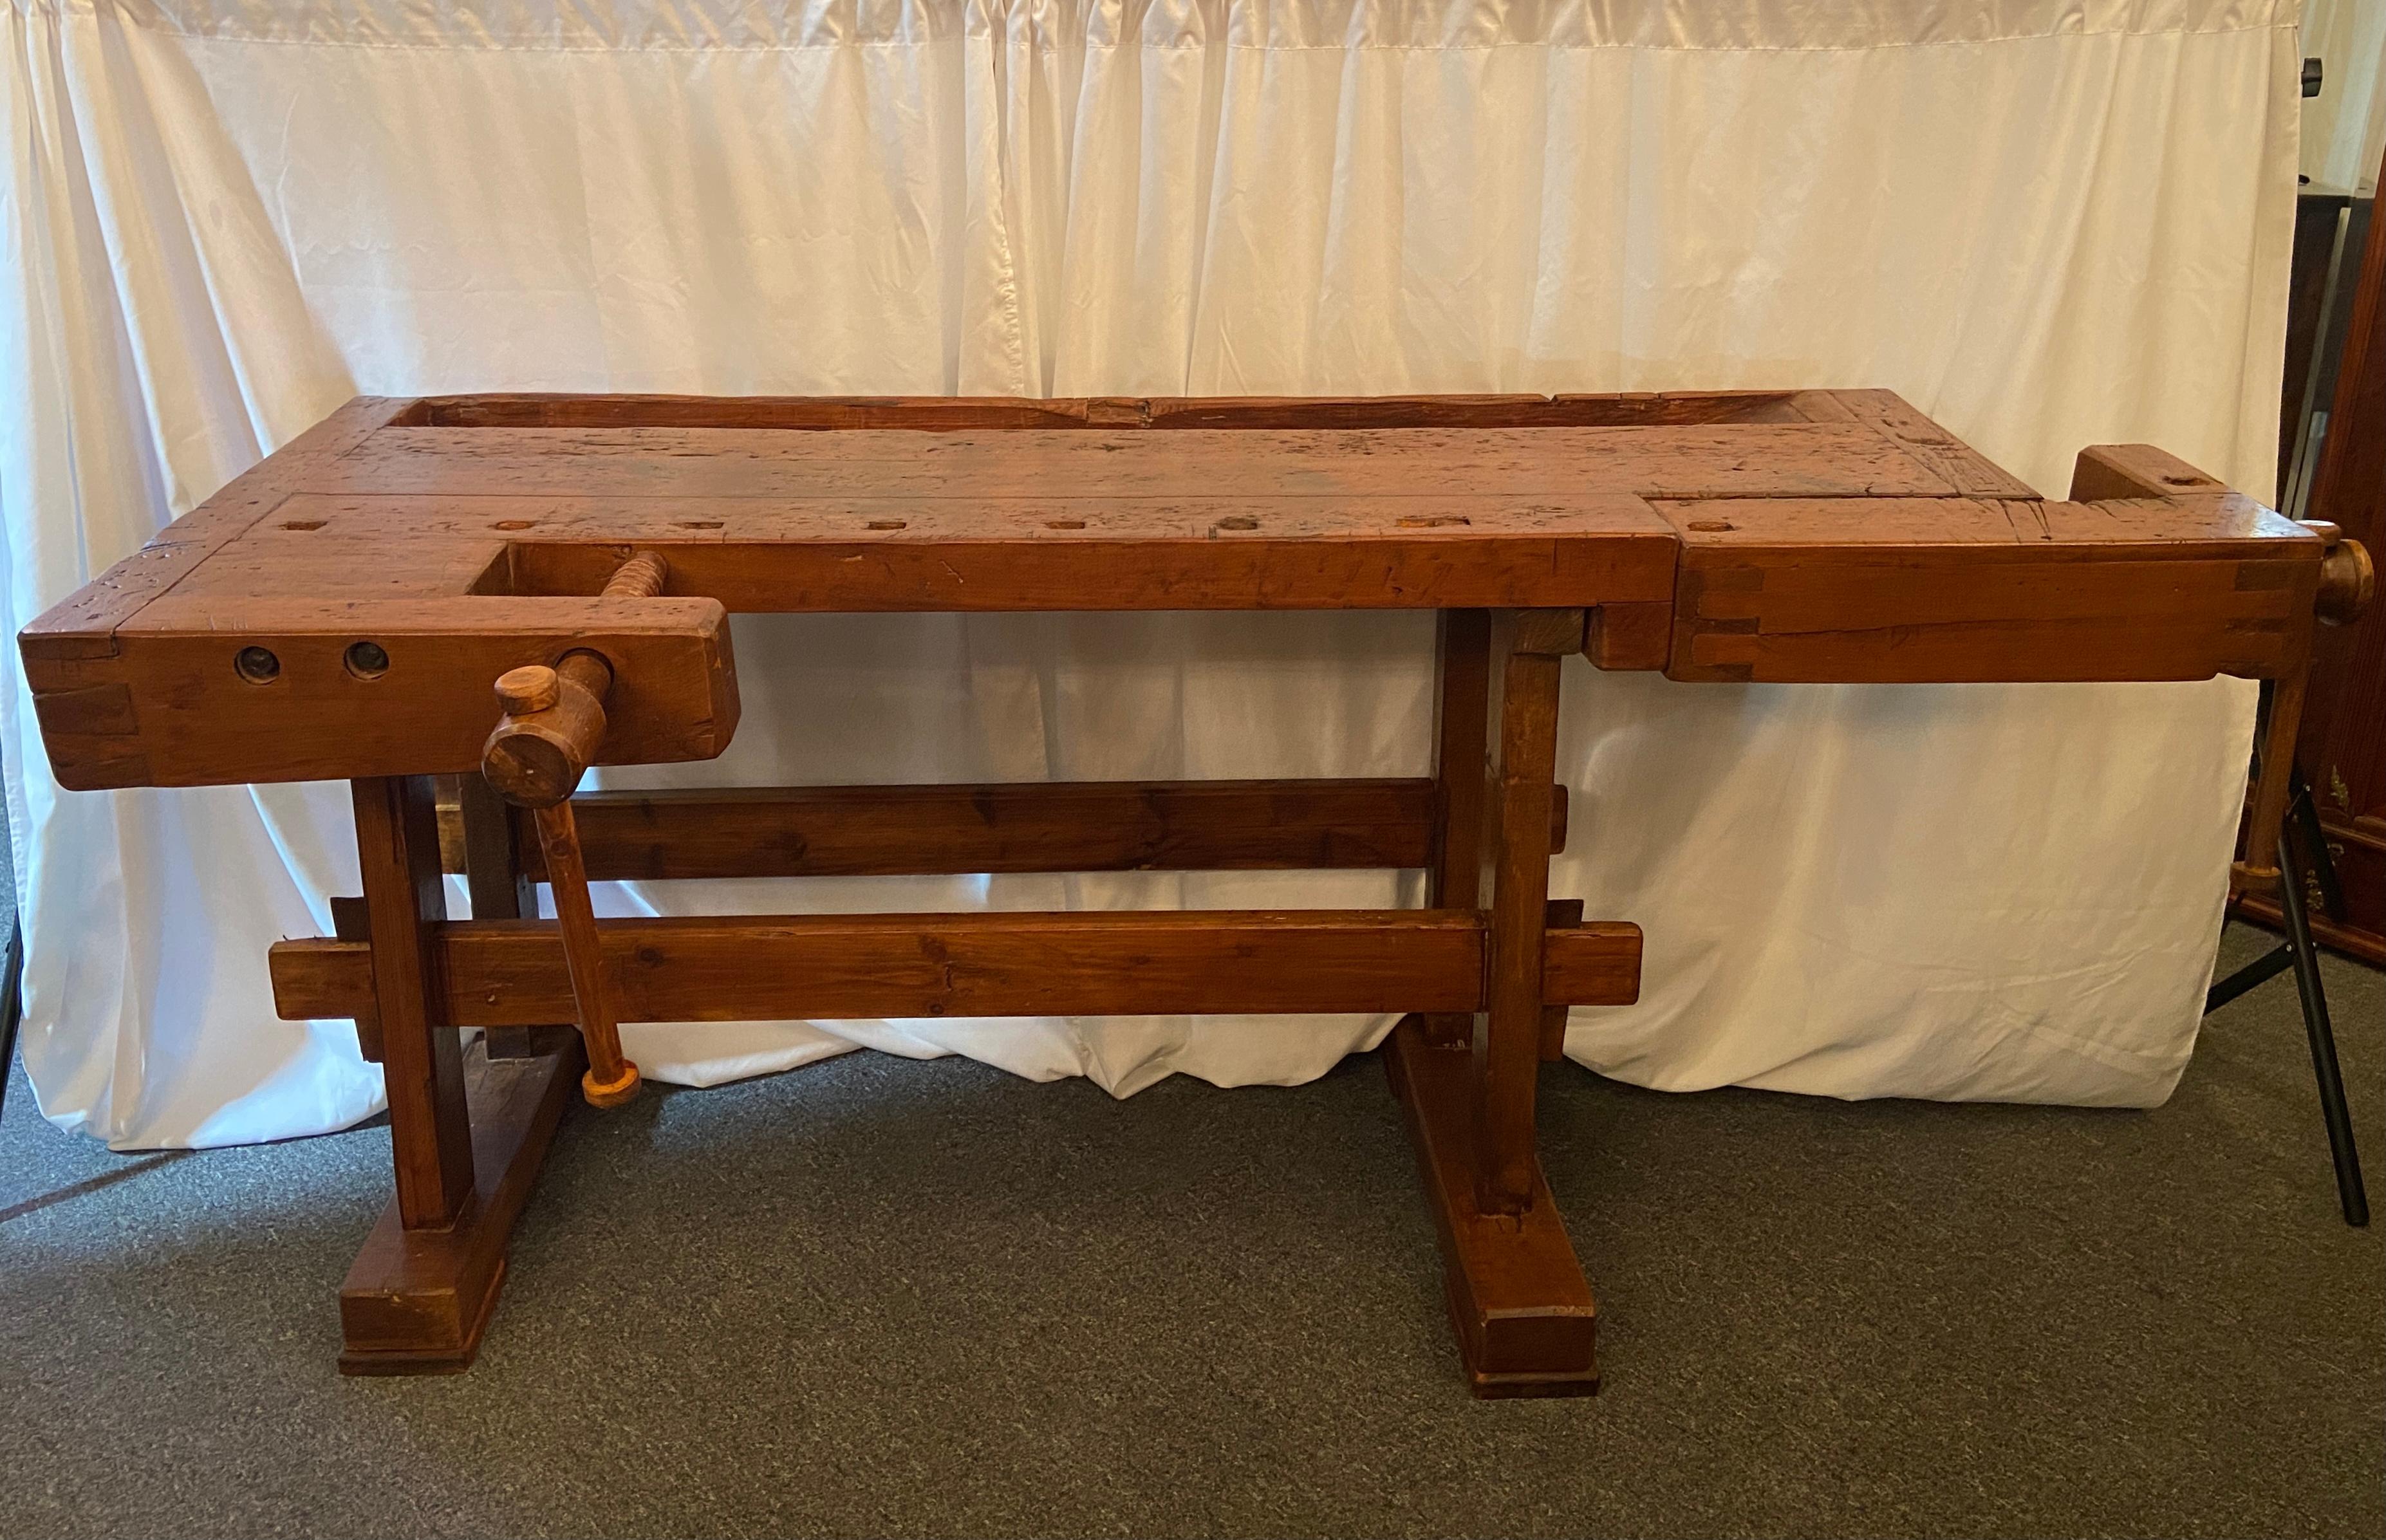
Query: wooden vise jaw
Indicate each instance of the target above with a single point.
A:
(554, 726)
(214, 688)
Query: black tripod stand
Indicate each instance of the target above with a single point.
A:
(2303, 828)
(12, 974)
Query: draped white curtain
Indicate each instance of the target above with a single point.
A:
(2046, 222)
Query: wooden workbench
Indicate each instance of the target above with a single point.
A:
(344, 609)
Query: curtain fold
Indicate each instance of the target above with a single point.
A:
(2047, 224)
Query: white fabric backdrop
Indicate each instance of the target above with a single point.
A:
(2047, 222)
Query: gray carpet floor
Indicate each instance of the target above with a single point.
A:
(876, 1297)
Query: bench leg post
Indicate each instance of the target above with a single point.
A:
(1526, 647)
(1462, 750)
(466, 1134)
(493, 877)
(1517, 1298)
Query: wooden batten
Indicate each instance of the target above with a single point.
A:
(503, 973)
(1006, 827)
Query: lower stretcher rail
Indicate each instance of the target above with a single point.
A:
(507, 973)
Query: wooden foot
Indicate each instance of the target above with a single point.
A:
(1524, 1315)
(416, 1301)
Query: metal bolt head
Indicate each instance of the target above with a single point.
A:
(367, 659)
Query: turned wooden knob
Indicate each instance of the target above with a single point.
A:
(2348, 580)
(533, 687)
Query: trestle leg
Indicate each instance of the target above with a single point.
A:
(1523, 1313)
(465, 1135)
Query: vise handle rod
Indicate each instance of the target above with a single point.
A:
(552, 727)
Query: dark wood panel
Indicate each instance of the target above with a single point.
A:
(2342, 747)
(2357, 846)
(2317, 218)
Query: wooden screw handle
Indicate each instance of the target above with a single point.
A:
(554, 721)
(553, 724)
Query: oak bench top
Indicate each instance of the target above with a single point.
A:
(1743, 536)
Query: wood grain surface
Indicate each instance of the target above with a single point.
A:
(1808, 535)
(418, 1300)
(344, 609)
(1516, 1295)
(826, 967)
(1013, 826)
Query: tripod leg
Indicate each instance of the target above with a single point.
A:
(2349, 1192)
(2255, 974)
(12, 981)
(2305, 812)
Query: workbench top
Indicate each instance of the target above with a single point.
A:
(341, 608)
